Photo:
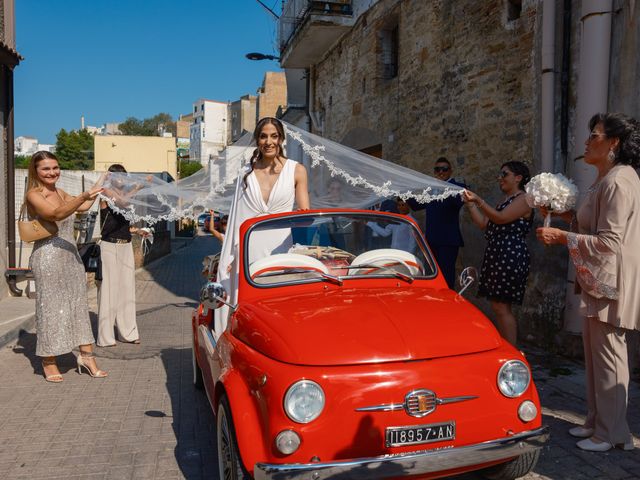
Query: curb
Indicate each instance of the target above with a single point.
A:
(23, 324)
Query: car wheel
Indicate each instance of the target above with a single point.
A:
(516, 468)
(197, 372)
(229, 462)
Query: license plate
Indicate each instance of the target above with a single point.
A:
(415, 434)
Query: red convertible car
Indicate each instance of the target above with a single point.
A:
(346, 356)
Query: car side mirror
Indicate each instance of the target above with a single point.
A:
(467, 277)
(213, 295)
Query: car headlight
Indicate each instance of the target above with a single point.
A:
(513, 378)
(304, 401)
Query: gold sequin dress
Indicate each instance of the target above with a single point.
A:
(62, 312)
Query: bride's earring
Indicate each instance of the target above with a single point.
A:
(611, 156)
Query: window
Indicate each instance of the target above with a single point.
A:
(514, 9)
(202, 107)
(389, 40)
(195, 109)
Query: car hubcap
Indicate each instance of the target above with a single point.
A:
(224, 446)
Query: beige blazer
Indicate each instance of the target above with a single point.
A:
(606, 249)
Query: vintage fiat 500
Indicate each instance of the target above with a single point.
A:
(347, 356)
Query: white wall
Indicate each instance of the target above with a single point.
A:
(208, 130)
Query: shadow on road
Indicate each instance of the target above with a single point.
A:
(193, 421)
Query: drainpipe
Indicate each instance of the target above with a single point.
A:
(313, 115)
(593, 90)
(548, 82)
(11, 216)
(564, 83)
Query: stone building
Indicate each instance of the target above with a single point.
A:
(9, 59)
(272, 95)
(480, 83)
(242, 116)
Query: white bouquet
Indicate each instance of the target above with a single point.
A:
(553, 191)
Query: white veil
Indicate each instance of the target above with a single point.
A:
(339, 177)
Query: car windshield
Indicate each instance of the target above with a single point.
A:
(335, 247)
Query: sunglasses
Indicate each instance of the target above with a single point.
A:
(504, 173)
(440, 169)
(594, 135)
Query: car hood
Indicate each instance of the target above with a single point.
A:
(352, 326)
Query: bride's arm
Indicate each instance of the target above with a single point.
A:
(302, 190)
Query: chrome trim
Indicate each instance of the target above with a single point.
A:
(463, 398)
(391, 407)
(415, 463)
(384, 407)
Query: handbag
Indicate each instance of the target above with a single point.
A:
(32, 230)
(90, 256)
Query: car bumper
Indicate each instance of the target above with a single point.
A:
(415, 463)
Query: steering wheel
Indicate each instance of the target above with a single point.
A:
(281, 261)
(399, 260)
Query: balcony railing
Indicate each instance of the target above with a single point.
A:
(296, 13)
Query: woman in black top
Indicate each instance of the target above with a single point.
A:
(116, 291)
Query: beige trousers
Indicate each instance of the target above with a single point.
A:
(607, 372)
(117, 294)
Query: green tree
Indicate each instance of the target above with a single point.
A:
(74, 149)
(189, 168)
(148, 127)
(22, 161)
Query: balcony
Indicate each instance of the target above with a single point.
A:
(308, 28)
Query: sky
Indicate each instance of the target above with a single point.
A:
(113, 59)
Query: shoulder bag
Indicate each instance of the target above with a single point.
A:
(32, 230)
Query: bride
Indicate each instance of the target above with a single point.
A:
(272, 184)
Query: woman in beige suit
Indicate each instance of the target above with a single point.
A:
(603, 246)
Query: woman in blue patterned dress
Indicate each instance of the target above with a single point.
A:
(505, 266)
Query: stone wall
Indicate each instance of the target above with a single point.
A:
(467, 88)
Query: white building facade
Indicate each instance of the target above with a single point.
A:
(25, 145)
(208, 132)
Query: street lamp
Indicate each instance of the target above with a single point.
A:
(261, 56)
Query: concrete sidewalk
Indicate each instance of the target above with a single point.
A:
(17, 314)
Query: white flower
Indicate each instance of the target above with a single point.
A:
(553, 191)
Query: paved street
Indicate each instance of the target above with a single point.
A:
(146, 421)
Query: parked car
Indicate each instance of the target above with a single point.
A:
(201, 219)
(346, 358)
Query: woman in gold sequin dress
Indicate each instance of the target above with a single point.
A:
(62, 313)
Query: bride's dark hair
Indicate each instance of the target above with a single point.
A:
(257, 154)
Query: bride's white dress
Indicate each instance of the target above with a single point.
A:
(249, 203)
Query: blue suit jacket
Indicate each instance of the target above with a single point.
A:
(442, 226)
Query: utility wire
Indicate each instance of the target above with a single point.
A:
(268, 9)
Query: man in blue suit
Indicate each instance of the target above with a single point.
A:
(442, 226)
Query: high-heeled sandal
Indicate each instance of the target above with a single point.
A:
(81, 364)
(53, 378)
